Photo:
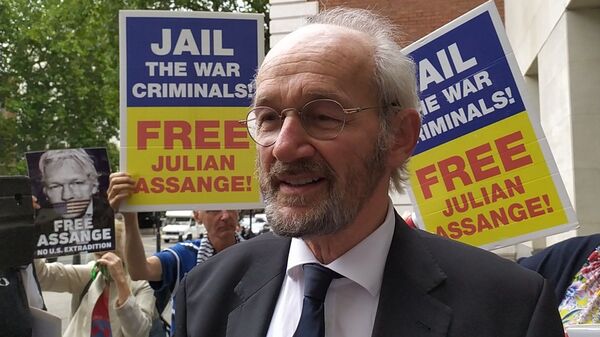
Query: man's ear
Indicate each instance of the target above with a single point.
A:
(405, 126)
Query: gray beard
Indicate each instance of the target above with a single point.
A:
(331, 214)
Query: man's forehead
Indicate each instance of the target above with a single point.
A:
(68, 163)
(326, 52)
(318, 40)
(315, 34)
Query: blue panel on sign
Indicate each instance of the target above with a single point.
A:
(190, 61)
(465, 82)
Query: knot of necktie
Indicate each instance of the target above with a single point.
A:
(317, 279)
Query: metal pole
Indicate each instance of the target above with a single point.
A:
(156, 219)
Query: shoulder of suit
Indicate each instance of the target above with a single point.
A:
(460, 258)
(262, 250)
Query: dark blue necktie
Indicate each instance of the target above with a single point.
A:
(317, 279)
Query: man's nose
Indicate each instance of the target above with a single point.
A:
(67, 193)
(293, 142)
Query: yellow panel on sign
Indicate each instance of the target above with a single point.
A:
(489, 185)
(185, 155)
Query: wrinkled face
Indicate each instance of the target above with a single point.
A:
(219, 223)
(311, 186)
(67, 184)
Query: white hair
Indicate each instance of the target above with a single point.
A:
(395, 74)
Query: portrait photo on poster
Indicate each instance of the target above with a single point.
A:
(71, 206)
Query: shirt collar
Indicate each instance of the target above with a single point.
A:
(363, 264)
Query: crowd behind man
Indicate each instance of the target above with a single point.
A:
(165, 269)
(106, 302)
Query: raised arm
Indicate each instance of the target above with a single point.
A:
(120, 188)
(134, 305)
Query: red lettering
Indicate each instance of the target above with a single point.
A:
(477, 163)
(204, 184)
(507, 153)
(425, 181)
(202, 134)
(143, 134)
(187, 185)
(468, 226)
(516, 212)
(141, 186)
(237, 184)
(534, 207)
(441, 232)
(454, 229)
(236, 136)
(483, 223)
(221, 184)
(172, 185)
(177, 130)
(157, 185)
(448, 174)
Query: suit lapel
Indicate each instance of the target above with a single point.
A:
(406, 307)
(258, 291)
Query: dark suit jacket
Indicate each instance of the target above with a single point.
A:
(431, 287)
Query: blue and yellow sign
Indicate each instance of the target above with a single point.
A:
(482, 172)
(186, 81)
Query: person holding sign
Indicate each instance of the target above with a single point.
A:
(335, 122)
(110, 303)
(165, 269)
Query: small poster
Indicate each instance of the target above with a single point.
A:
(72, 210)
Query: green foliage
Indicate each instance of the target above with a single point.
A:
(8, 140)
(59, 71)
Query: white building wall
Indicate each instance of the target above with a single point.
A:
(583, 31)
(287, 15)
(557, 46)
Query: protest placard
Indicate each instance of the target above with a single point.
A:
(72, 211)
(186, 82)
(482, 172)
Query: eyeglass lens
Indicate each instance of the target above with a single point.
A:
(321, 119)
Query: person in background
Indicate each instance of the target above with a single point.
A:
(247, 233)
(572, 267)
(165, 269)
(335, 121)
(107, 302)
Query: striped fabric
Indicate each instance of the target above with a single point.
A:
(207, 250)
(71, 208)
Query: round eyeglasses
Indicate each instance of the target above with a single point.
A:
(322, 119)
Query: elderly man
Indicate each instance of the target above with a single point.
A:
(165, 269)
(335, 122)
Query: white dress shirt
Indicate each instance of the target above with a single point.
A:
(351, 302)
